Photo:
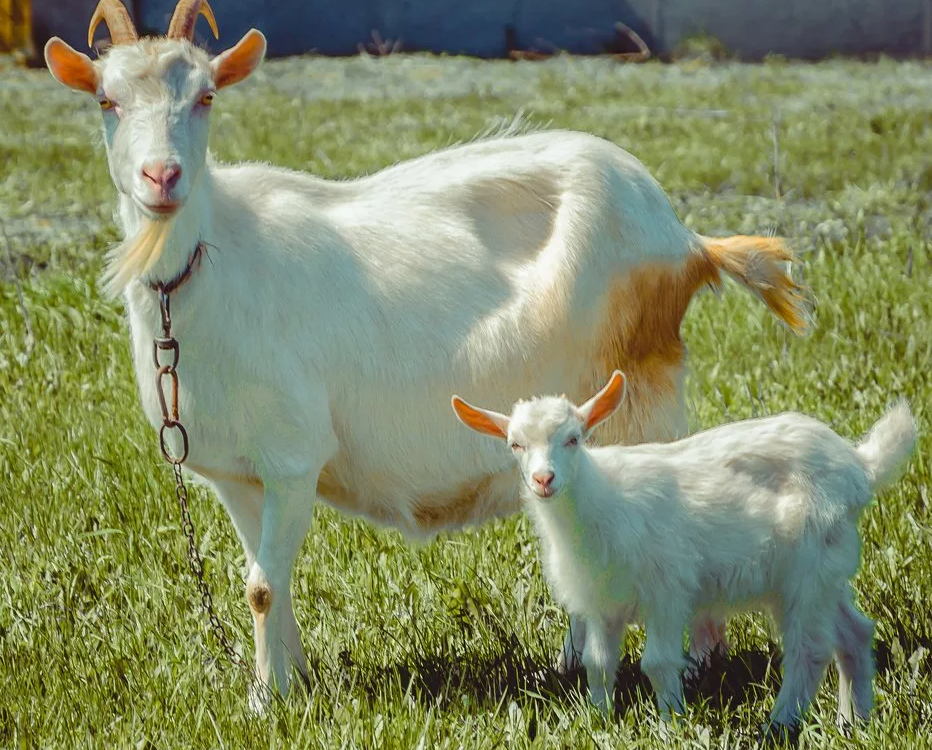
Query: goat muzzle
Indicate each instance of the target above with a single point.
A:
(114, 14)
(185, 16)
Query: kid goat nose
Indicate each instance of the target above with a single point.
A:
(542, 479)
(161, 176)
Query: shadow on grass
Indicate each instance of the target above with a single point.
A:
(503, 667)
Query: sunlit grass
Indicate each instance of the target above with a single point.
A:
(102, 643)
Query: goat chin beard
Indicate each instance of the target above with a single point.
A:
(135, 256)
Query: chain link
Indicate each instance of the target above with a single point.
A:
(171, 423)
(197, 569)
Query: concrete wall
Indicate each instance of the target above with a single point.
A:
(750, 28)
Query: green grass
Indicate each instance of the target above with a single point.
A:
(102, 643)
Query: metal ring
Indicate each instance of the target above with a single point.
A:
(173, 425)
(165, 345)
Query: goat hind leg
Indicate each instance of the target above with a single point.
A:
(854, 659)
(706, 636)
(808, 640)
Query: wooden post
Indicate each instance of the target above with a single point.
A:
(15, 27)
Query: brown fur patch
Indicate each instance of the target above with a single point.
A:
(343, 498)
(431, 511)
(260, 598)
(640, 333)
(449, 509)
(640, 336)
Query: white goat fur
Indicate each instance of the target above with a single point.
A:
(321, 338)
(758, 513)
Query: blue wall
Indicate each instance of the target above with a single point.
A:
(751, 28)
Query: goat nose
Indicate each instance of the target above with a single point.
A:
(162, 176)
(543, 479)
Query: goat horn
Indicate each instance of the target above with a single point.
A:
(185, 16)
(114, 14)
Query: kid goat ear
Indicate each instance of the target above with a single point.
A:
(603, 404)
(481, 420)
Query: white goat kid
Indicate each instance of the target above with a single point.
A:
(762, 512)
(320, 344)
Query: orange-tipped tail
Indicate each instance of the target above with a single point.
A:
(758, 264)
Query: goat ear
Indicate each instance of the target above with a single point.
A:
(238, 62)
(70, 67)
(481, 420)
(603, 404)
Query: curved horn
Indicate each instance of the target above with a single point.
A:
(185, 16)
(114, 14)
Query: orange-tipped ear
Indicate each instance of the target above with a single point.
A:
(481, 420)
(70, 67)
(238, 62)
(603, 404)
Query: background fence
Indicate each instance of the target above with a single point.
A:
(491, 28)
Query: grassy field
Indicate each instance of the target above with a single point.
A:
(102, 643)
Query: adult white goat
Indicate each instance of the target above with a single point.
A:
(321, 298)
(759, 512)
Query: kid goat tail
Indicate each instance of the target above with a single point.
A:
(889, 443)
(760, 265)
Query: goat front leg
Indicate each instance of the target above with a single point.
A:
(707, 636)
(245, 502)
(287, 514)
(600, 657)
(663, 659)
(570, 657)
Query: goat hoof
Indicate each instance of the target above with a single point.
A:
(260, 699)
(778, 735)
(665, 730)
(849, 725)
(566, 667)
(305, 680)
(602, 700)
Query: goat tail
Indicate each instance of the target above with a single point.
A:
(759, 265)
(889, 443)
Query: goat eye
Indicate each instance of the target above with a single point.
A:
(206, 99)
(572, 441)
(105, 104)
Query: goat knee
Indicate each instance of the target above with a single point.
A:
(258, 592)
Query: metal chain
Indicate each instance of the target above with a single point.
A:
(170, 422)
(197, 569)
